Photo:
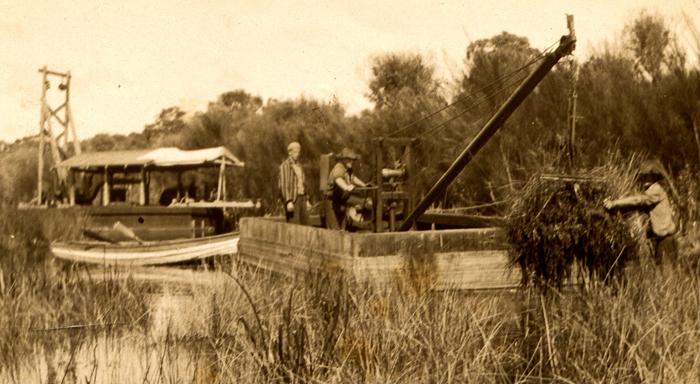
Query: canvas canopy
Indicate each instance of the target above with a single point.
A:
(159, 157)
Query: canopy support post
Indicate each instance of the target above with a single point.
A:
(221, 187)
(105, 187)
(143, 187)
(71, 187)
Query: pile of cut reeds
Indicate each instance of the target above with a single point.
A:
(557, 227)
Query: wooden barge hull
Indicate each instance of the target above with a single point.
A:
(473, 258)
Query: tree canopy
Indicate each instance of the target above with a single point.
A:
(641, 97)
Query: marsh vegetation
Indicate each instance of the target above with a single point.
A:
(65, 323)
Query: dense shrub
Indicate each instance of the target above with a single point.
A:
(557, 225)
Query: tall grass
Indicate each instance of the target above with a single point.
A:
(644, 330)
(43, 302)
(250, 326)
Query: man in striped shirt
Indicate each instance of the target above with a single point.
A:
(291, 185)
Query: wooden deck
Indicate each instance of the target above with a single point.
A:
(449, 259)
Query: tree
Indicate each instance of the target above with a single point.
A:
(408, 102)
(262, 143)
(653, 45)
(221, 121)
(488, 64)
(608, 90)
(106, 142)
(401, 80)
(530, 139)
(18, 173)
(240, 100)
(171, 121)
(404, 90)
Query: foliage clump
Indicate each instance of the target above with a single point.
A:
(559, 230)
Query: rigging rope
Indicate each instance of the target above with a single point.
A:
(483, 89)
(472, 107)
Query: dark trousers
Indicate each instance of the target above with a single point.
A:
(665, 250)
(337, 206)
(300, 214)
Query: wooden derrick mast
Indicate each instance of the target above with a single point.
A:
(60, 139)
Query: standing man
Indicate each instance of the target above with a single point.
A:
(655, 202)
(291, 185)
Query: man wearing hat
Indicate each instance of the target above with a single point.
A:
(291, 185)
(342, 184)
(655, 202)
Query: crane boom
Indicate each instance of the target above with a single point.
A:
(566, 46)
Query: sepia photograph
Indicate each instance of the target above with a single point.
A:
(236, 191)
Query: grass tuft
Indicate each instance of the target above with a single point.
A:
(558, 227)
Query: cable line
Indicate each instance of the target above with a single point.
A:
(472, 107)
(483, 89)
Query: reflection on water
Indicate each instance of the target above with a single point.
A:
(176, 346)
(123, 359)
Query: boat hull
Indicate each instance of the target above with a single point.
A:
(446, 259)
(148, 253)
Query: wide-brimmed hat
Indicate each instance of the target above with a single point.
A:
(651, 168)
(347, 153)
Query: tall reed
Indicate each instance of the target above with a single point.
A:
(43, 300)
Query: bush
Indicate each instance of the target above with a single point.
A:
(557, 225)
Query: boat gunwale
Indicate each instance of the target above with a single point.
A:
(131, 245)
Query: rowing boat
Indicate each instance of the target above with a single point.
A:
(146, 253)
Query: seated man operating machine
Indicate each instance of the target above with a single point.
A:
(347, 194)
(352, 204)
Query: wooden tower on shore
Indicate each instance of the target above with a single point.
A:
(60, 138)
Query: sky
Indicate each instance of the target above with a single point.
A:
(131, 59)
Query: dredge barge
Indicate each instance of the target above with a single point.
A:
(447, 249)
